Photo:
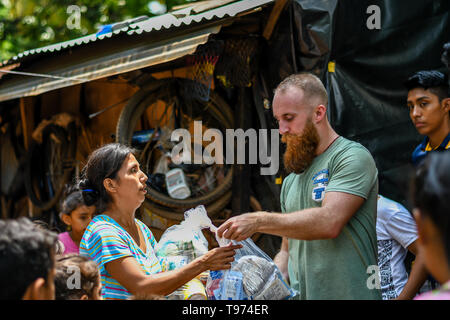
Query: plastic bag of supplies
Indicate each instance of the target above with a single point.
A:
(182, 243)
(253, 276)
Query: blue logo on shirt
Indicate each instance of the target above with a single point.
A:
(320, 182)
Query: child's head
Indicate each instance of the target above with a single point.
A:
(75, 213)
(59, 246)
(27, 260)
(431, 194)
(77, 278)
(428, 101)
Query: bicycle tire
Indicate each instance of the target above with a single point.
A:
(213, 209)
(35, 151)
(133, 111)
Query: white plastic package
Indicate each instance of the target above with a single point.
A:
(179, 245)
(182, 243)
(260, 277)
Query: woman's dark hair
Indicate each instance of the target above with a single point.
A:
(103, 163)
(26, 254)
(73, 198)
(89, 274)
(431, 192)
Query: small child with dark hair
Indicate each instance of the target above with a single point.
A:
(77, 278)
(27, 260)
(76, 215)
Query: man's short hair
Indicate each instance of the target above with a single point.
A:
(26, 254)
(432, 80)
(310, 84)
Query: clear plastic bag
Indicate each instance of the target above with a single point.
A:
(182, 243)
(253, 276)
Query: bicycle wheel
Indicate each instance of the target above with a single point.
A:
(161, 103)
(178, 214)
(48, 167)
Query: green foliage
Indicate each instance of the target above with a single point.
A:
(29, 24)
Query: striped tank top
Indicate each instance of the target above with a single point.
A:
(105, 240)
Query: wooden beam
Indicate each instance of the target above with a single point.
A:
(273, 18)
(27, 117)
(240, 202)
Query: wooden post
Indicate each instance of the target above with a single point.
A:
(27, 117)
(273, 18)
(240, 202)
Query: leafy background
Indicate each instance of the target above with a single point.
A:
(28, 24)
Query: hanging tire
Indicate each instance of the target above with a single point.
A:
(44, 187)
(163, 90)
(178, 214)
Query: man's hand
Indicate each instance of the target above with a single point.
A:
(240, 227)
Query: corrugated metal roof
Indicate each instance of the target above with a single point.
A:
(186, 17)
(175, 19)
(130, 55)
(63, 45)
(144, 55)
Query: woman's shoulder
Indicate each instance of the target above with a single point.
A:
(102, 224)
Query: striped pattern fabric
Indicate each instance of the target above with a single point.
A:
(105, 240)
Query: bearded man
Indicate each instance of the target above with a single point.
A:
(329, 201)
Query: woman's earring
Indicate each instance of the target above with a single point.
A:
(69, 228)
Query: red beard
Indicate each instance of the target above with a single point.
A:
(300, 149)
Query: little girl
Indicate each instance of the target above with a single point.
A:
(76, 215)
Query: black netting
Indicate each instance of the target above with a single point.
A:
(201, 69)
(237, 63)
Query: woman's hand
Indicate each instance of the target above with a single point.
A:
(219, 258)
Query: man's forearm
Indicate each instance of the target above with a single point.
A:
(325, 222)
(281, 260)
(309, 224)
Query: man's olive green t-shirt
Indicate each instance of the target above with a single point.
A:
(344, 267)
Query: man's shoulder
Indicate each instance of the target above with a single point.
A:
(419, 152)
(349, 149)
(347, 144)
(287, 181)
